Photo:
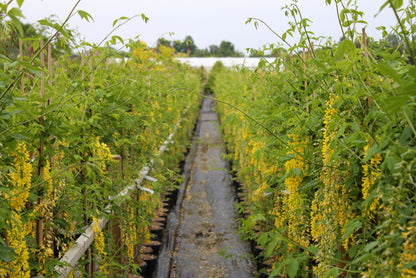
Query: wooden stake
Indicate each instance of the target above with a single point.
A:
(82, 65)
(313, 48)
(364, 47)
(304, 75)
(22, 81)
(40, 170)
(50, 69)
(91, 73)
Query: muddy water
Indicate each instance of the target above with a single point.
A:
(202, 240)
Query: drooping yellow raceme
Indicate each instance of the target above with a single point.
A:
(20, 182)
(99, 243)
(370, 175)
(408, 256)
(103, 154)
(20, 179)
(295, 209)
(330, 210)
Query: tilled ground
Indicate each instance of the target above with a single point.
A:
(202, 240)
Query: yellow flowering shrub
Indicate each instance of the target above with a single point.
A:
(294, 205)
(100, 246)
(330, 207)
(20, 182)
(20, 178)
(371, 172)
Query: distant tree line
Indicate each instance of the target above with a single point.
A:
(188, 47)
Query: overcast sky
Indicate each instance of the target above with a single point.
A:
(208, 22)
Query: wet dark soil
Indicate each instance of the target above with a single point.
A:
(202, 238)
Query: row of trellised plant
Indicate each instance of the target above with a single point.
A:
(60, 135)
(324, 148)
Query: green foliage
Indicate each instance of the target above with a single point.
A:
(363, 99)
(94, 104)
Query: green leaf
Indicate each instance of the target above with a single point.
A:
(292, 268)
(7, 254)
(344, 47)
(385, 69)
(45, 22)
(352, 225)
(18, 26)
(370, 246)
(383, 6)
(396, 3)
(85, 15)
(15, 12)
(114, 39)
(333, 272)
(18, 136)
(272, 246)
(313, 249)
(119, 19)
(394, 104)
(410, 264)
(20, 2)
(144, 18)
(407, 133)
(408, 90)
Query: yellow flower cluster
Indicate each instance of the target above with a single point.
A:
(20, 183)
(99, 243)
(166, 51)
(370, 175)
(330, 207)
(259, 193)
(294, 204)
(408, 256)
(143, 53)
(103, 154)
(20, 179)
(19, 268)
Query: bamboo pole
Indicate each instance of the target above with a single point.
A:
(40, 170)
(91, 71)
(305, 82)
(367, 62)
(313, 50)
(50, 68)
(22, 81)
(82, 65)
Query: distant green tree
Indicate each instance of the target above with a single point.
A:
(226, 49)
(189, 45)
(213, 49)
(179, 46)
(165, 42)
(201, 53)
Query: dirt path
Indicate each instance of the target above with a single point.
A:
(202, 239)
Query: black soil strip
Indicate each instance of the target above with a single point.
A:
(201, 237)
